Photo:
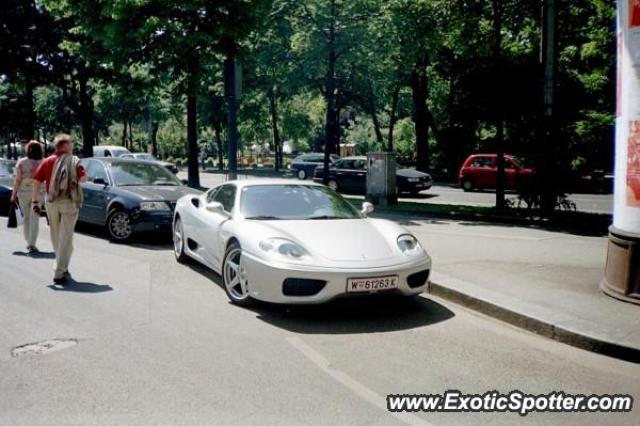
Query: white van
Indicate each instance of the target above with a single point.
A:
(109, 151)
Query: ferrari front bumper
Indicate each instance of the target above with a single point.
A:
(266, 279)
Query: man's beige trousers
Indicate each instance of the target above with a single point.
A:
(63, 215)
(30, 226)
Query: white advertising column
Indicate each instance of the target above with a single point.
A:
(622, 275)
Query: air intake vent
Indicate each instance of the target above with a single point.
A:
(418, 279)
(302, 287)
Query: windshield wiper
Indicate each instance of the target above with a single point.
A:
(324, 217)
(262, 218)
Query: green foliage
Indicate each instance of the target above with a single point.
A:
(136, 58)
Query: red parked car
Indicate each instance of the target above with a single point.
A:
(480, 171)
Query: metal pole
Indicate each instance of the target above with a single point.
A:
(232, 101)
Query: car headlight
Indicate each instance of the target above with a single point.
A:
(154, 206)
(283, 247)
(408, 244)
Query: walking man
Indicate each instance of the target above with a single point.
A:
(62, 175)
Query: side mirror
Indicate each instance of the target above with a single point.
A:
(184, 181)
(215, 207)
(367, 208)
(100, 181)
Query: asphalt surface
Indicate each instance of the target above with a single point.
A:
(443, 194)
(145, 340)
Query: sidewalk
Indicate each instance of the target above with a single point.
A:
(544, 281)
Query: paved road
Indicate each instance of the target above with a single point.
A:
(442, 194)
(152, 341)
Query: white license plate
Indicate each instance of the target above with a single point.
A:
(364, 285)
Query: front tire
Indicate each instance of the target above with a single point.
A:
(119, 226)
(234, 277)
(333, 184)
(179, 241)
(302, 174)
(467, 185)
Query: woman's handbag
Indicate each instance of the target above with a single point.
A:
(13, 221)
(19, 214)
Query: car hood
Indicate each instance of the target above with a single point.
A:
(167, 193)
(411, 173)
(338, 240)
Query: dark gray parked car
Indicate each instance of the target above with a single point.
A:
(304, 165)
(129, 196)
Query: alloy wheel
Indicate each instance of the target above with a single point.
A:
(178, 242)
(235, 279)
(120, 225)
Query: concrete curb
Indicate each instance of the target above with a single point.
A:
(536, 325)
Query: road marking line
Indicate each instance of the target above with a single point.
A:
(358, 388)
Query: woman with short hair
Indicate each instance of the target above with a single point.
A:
(23, 192)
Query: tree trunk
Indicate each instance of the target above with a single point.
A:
(374, 118)
(419, 89)
(496, 6)
(86, 116)
(124, 133)
(330, 119)
(152, 133)
(30, 124)
(273, 109)
(192, 124)
(376, 128)
(132, 145)
(337, 129)
(392, 117)
(218, 129)
(549, 181)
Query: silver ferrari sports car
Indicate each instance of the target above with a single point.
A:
(295, 242)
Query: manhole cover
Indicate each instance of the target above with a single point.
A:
(43, 347)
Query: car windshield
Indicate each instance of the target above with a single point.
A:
(294, 202)
(141, 174)
(117, 152)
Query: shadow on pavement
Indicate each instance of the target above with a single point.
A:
(81, 287)
(38, 255)
(578, 228)
(418, 196)
(354, 315)
(571, 223)
(150, 240)
(368, 314)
